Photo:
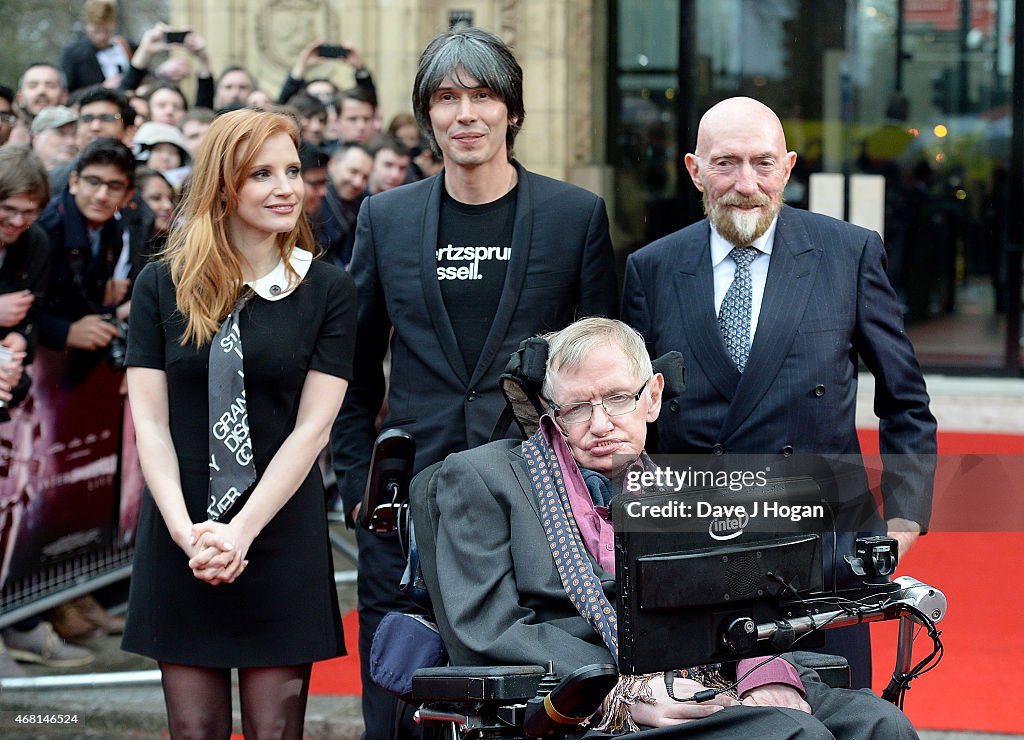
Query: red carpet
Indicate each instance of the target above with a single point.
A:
(341, 675)
(984, 645)
(972, 688)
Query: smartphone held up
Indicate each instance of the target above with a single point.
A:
(333, 51)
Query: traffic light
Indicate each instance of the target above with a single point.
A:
(944, 93)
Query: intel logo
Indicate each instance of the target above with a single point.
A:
(730, 527)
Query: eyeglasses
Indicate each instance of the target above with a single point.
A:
(617, 404)
(29, 215)
(105, 117)
(94, 183)
(9, 118)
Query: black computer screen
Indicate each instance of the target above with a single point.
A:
(691, 562)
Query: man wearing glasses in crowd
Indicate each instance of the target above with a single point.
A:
(106, 113)
(102, 112)
(23, 261)
(85, 244)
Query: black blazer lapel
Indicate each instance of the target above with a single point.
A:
(515, 276)
(431, 288)
(695, 286)
(790, 278)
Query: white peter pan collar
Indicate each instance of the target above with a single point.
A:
(274, 285)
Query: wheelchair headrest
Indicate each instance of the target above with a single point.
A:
(523, 379)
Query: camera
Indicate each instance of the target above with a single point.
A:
(333, 51)
(117, 350)
(175, 37)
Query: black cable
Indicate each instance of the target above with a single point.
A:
(700, 696)
(895, 692)
(844, 606)
(841, 604)
(782, 582)
(709, 694)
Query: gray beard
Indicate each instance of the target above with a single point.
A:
(739, 229)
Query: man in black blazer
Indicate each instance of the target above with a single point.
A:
(819, 302)
(453, 272)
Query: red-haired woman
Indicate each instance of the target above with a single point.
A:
(239, 354)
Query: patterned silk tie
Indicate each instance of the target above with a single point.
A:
(734, 315)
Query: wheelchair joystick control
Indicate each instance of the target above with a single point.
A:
(548, 681)
(537, 716)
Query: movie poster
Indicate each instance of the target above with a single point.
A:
(70, 483)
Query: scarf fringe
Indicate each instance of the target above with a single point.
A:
(629, 690)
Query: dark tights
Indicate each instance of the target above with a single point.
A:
(199, 701)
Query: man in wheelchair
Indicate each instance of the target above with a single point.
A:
(525, 561)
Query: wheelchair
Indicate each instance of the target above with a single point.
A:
(531, 701)
(467, 701)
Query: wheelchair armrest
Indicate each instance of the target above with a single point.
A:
(476, 683)
(529, 696)
(832, 670)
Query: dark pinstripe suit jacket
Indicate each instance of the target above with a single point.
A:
(827, 305)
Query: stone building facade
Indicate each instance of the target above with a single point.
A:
(556, 42)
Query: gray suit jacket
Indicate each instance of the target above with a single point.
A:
(501, 600)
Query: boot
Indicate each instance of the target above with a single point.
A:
(94, 613)
(69, 622)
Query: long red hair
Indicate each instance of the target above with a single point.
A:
(205, 267)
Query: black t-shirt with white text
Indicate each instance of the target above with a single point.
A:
(474, 245)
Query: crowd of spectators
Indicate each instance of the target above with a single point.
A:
(111, 132)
